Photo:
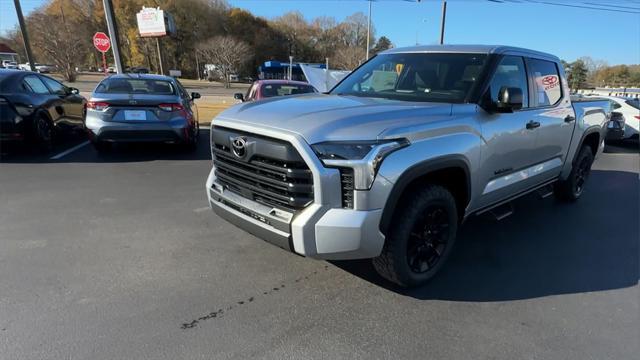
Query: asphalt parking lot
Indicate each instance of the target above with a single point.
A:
(117, 256)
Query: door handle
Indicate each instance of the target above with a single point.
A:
(532, 125)
(569, 118)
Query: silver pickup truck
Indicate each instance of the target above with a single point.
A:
(390, 162)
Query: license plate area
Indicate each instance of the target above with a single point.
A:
(135, 115)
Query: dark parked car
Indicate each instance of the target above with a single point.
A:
(263, 89)
(35, 107)
(142, 108)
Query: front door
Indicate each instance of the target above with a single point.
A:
(509, 144)
(70, 106)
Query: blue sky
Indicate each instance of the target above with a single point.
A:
(564, 31)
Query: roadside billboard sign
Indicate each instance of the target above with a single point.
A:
(151, 22)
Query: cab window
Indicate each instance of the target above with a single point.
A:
(510, 73)
(546, 82)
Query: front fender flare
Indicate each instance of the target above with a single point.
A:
(416, 171)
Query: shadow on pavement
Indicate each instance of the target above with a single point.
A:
(134, 152)
(622, 147)
(545, 248)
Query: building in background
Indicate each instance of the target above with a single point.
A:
(279, 69)
(624, 92)
(7, 53)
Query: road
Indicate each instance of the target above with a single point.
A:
(117, 256)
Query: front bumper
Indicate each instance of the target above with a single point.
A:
(173, 131)
(323, 229)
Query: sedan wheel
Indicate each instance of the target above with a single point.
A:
(44, 134)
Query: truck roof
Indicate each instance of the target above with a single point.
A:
(480, 49)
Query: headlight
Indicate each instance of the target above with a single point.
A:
(364, 157)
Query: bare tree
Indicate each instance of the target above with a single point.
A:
(63, 44)
(227, 54)
(348, 58)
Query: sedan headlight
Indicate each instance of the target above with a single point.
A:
(364, 157)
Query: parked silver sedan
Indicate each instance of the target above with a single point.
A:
(142, 108)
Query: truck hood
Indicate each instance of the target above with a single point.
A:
(322, 117)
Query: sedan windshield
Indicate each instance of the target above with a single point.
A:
(430, 77)
(135, 86)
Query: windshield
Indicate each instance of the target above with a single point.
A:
(416, 77)
(271, 90)
(135, 86)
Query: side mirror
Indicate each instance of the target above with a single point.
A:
(238, 96)
(509, 99)
(195, 95)
(74, 91)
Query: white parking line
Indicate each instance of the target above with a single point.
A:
(202, 209)
(68, 151)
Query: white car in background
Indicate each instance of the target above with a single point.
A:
(630, 110)
(41, 68)
(8, 64)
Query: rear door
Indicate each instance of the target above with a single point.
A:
(506, 155)
(552, 115)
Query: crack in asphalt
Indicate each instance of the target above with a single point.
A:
(221, 311)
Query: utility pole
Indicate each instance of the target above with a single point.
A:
(368, 29)
(159, 56)
(113, 34)
(197, 65)
(25, 35)
(444, 16)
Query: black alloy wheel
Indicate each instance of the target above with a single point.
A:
(428, 240)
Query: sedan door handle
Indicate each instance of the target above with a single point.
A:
(569, 118)
(532, 125)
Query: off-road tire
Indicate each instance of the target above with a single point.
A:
(570, 189)
(393, 262)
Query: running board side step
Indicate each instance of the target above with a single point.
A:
(504, 209)
(545, 191)
(501, 212)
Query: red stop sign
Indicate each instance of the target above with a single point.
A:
(101, 42)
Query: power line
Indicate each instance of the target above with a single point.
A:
(584, 7)
(615, 6)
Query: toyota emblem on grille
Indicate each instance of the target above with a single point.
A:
(239, 146)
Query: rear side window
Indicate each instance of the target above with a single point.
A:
(548, 90)
(510, 73)
(635, 103)
(135, 86)
(36, 85)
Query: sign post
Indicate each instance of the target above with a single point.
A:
(153, 22)
(103, 44)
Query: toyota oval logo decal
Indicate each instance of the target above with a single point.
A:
(239, 146)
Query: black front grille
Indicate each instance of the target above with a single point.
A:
(347, 186)
(282, 183)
